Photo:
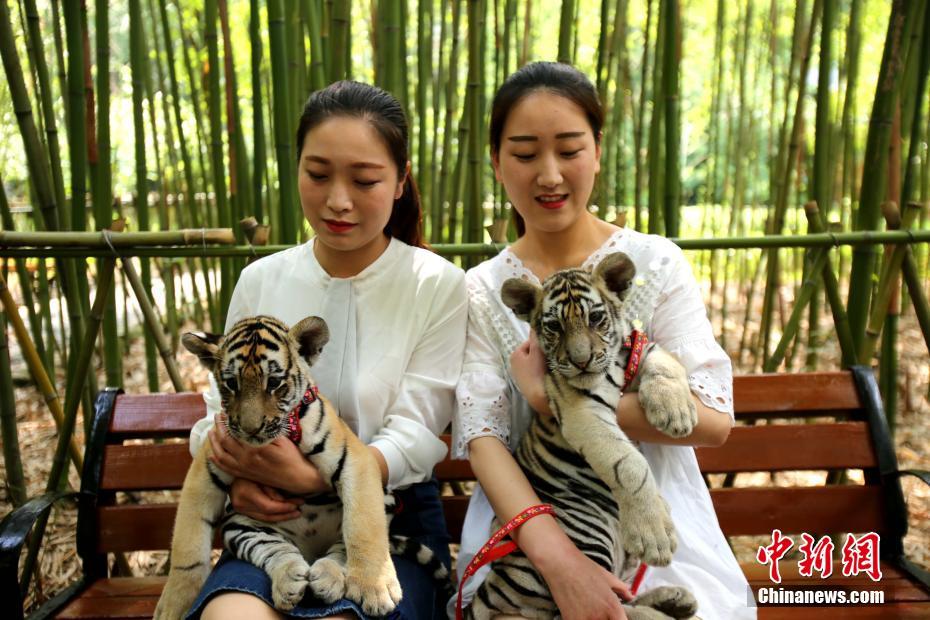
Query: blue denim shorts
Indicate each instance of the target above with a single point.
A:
(420, 517)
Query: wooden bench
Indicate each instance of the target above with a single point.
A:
(842, 427)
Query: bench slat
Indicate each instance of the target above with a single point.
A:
(148, 527)
(127, 468)
(793, 510)
(798, 395)
(136, 597)
(812, 446)
(749, 448)
(156, 415)
(741, 511)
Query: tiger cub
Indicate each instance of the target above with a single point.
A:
(579, 460)
(339, 545)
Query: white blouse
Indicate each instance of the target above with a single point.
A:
(667, 303)
(397, 334)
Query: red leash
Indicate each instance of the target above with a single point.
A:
(497, 548)
(492, 550)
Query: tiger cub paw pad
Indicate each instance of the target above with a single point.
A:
(648, 532)
(673, 601)
(328, 579)
(378, 594)
(288, 582)
(666, 398)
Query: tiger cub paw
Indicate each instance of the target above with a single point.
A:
(179, 594)
(328, 579)
(288, 582)
(648, 532)
(673, 601)
(378, 592)
(665, 395)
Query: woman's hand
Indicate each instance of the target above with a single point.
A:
(583, 590)
(528, 369)
(262, 503)
(279, 464)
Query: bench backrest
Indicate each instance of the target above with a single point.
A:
(836, 431)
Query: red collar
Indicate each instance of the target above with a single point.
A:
(636, 342)
(293, 419)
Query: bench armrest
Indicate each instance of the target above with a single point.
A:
(13, 531)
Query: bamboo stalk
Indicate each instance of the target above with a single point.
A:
(886, 288)
(211, 16)
(103, 185)
(446, 194)
(918, 293)
(808, 288)
(474, 208)
(35, 321)
(258, 123)
(671, 58)
(339, 37)
(783, 180)
(639, 122)
(153, 323)
(823, 162)
(831, 286)
(655, 128)
(35, 157)
(12, 460)
(876, 154)
(46, 98)
(282, 121)
(897, 237)
(566, 21)
(192, 237)
(34, 362)
(424, 69)
(138, 68)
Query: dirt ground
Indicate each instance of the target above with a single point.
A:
(59, 563)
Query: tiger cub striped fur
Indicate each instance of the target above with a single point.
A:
(579, 460)
(339, 546)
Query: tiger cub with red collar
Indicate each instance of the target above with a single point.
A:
(262, 368)
(579, 460)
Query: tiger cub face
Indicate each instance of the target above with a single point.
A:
(262, 369)
(575, 314)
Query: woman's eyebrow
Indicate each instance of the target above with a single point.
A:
(359, 164)
(558, 136)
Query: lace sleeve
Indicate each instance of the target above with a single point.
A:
(681, 326)
(482, 396)
(482, 409)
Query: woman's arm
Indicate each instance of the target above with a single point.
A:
(580, 587)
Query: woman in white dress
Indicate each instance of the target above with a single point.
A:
(545, 147)
(396, 314)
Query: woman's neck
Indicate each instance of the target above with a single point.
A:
(349, 263)
(544, 252)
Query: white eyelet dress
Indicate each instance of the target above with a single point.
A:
(667, 303)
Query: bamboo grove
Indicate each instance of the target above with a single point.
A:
(724, 119)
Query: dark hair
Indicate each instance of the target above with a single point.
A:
(556, 77)
(384, 112)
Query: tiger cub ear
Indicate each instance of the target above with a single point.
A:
(310, 334)
(616, 271)
(520, 296)
(205, 346)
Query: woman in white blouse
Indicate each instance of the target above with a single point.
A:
(397, 315)
(545, 147)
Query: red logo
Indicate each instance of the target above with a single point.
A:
(859, 555)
